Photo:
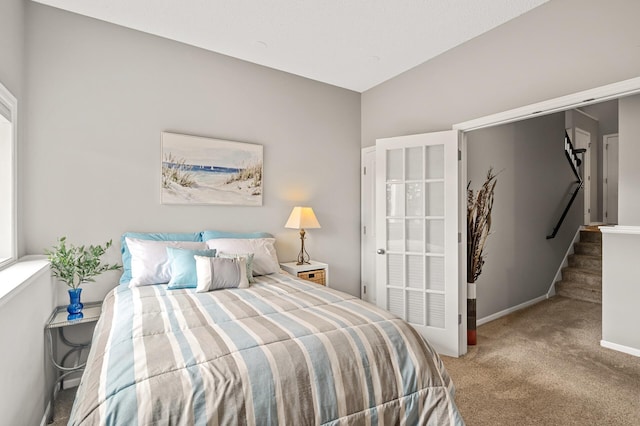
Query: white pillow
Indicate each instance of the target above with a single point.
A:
(265, 259)
(150, 262)
(218, 273)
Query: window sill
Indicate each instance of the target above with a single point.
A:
(15, 277)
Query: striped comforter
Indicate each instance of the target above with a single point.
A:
(280, 352)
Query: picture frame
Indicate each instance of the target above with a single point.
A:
(199, 170)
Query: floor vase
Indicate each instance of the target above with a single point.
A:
(471, 314)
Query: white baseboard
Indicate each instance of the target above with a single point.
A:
(44, 422)
(71, 383)
(512, 309)
(620, 348)
(66, 384)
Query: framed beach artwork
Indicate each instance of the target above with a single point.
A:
(198, 170)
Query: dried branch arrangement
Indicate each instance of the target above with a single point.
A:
(479, 205)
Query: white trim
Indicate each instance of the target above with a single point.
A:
(12, 104)
(16, 277)
(620, 348)
(564, 264)
(45, 417)
(367, 192)
(586, 115)
(563, 103)
(621, 229)
(511, 310)
(586, 173)
(71, 383)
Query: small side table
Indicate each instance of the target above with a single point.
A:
(316, 272)
(58, 320)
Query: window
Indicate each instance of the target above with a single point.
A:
(8, 128)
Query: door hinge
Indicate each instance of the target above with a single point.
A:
(606, 214)
(459, 237)
(364, 230)
(365, 170)
(606, 146)
(364, 289)
(459, 155)
(459, 319)
(606, 180)
(589, 211)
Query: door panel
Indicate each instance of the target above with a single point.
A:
(417, 212)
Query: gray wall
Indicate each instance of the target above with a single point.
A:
(12, 25)
(559, 48)
(26, 376)
(531, 192)
(629, 153)
(99, 96)
(620, 289)
(12, 45)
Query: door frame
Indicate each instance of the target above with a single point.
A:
(586, 174)
(563, 103)
(368, 193)
(605, 176)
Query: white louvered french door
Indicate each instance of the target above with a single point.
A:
(417, 234)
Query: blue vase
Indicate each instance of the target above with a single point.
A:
(75, 306)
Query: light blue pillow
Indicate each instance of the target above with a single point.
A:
(211, 235)
(157, 236)
(183, 266)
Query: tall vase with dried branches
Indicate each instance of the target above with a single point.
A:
(479, 205)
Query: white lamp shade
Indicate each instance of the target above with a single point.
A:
(302, 218)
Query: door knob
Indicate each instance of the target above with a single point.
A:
(380, 251)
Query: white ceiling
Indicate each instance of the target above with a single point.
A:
(355, 44)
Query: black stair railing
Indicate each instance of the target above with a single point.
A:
(574, 161)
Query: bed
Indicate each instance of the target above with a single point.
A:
(280, 352)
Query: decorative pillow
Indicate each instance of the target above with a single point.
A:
(183, 266)
(265, 259)
(218, 273)
(126, 254)
(248, 257)
(210, 235)
(150, 261)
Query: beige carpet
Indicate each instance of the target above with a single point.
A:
(544, 366)
(540, 366)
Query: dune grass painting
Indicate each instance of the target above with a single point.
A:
(198, 170)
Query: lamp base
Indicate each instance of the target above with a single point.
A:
(303, 256)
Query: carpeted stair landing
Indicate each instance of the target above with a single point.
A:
(582, 279)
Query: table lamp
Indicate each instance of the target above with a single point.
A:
(301, 218)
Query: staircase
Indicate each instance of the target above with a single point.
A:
(582, 279)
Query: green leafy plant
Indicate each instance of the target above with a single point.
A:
(75, 265)
(479, 205)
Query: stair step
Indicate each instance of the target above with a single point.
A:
(575, 290)
(589, 249)
(583, 261)
(584, 276)
(590, 236)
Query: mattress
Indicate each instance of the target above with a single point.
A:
(281, 352)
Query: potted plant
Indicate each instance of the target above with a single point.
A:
(75, 265)
(479, 206)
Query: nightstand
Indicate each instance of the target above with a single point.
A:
(58, 320)
(316, 272)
